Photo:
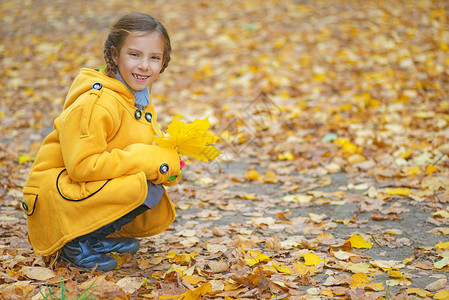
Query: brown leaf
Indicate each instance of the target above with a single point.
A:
(218, 266)
(437, 285)
(130, 284)
(38, 273)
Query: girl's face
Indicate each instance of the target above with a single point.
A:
(140, 59)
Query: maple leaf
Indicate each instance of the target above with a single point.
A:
(191, 139)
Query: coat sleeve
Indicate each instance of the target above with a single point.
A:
(85, 155)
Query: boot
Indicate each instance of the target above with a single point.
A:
(119, 245)
(80, 254)
(102, 244)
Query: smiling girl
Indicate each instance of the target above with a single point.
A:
(97, 181)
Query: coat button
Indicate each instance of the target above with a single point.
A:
(163, 169)
(138, 114)
(148, 116)
(24, 205)
(97, 86)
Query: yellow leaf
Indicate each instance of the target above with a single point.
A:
(302, 269)
(197, 293)
(319, 77)
(356, 158)
(442, 245)
(327, 292)
(359, 280)
(251, 262)
(194, 280)
(375, 286)
(188, 257)
(356, 267)
(253, 175)
(419, 292)
(271, 177)
(357, 241)
(393, 231)
(408, 260)
(190, 139)
(29, 91)
(442, 295)
(431, 169)
(255, 257)
(231, 287)
(262, 257)
(399, 192)
(171, 254)
(396, 274)
(441, 214)
(25, 158)
(285, 156)
(171, 297)
(398, 278)
(311, 259)
(282, 270)
(120, 260)
(348, 146)
(413, 171)
(441, 263)
(173, 257)
(407, 154)
(248, 196)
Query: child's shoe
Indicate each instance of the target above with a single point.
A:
(80, 254)
(119, 245)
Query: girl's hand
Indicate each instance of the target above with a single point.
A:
(168, 167)
(182, 164)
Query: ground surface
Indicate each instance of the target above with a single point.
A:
(333, 125)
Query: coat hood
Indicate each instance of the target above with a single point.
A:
(85, 80)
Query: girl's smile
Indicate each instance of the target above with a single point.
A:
(140, 77)
(140, 59)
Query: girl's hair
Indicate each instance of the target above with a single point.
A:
(135, 21)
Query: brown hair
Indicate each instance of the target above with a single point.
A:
(135, 21)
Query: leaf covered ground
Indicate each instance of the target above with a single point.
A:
(333, 124)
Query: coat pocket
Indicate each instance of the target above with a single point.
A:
(29, 200)
(77, 191)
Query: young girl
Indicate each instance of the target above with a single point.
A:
(97, 180)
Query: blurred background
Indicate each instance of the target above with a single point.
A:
(366, 78)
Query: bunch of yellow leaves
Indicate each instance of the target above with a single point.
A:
(191, 139)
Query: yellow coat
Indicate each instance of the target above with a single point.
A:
(93, 168)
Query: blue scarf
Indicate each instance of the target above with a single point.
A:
(141, 98)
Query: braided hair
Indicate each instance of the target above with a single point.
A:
(135, 21)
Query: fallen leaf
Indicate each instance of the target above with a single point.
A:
(130, 284)
(37, 273)
(311, 259)
(357, 241)
(359, 280)
(218, 266)
(436, 285)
